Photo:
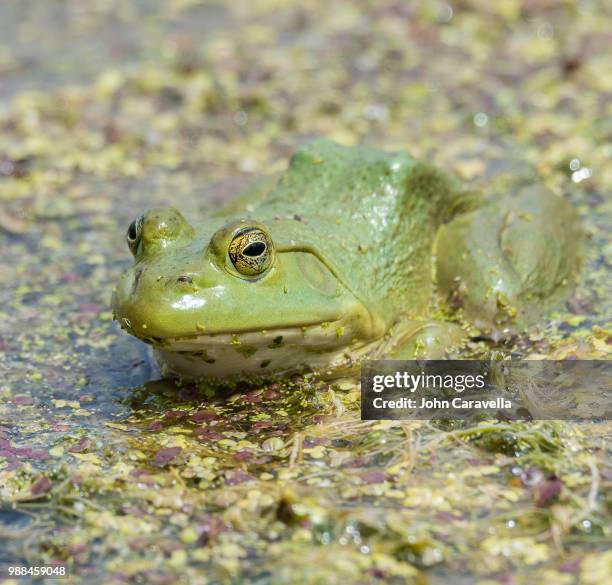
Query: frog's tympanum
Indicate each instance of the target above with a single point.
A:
(350, 253)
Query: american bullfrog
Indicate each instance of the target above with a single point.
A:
(350, 253)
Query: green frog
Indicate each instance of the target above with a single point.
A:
(350, 253)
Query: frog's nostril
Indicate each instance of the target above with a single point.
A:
(184, 278)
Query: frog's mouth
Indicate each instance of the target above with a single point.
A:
(317, 346)
(309, 335)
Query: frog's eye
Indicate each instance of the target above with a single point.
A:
(251, 251)
(134, 234)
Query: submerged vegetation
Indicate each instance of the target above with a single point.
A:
(127, 105)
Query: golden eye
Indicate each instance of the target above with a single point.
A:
(251, 251)
(134, 233)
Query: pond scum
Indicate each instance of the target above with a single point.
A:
(131, 481)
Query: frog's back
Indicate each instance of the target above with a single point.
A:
(324, 178)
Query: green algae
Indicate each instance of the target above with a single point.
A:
(130, 480)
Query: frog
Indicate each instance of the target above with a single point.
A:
(351, 253)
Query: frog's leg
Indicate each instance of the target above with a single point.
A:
(423, 340)
(506, 262)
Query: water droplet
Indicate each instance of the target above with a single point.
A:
(481, 119)
(574, 164)
(445, 13)
(581, 174)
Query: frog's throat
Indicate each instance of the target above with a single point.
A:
(326, 348)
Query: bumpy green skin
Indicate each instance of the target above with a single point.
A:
(356, 233)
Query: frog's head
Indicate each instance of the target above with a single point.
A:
(243, 282)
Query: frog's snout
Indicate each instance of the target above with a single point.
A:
(180, 282)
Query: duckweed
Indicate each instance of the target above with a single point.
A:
(118, 107)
